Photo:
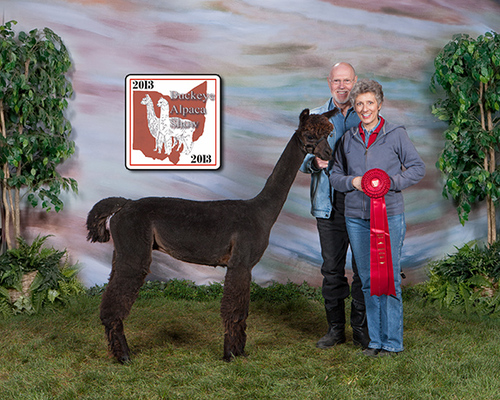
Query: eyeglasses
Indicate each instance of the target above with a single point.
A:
(337, 82)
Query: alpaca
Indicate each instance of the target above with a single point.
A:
(229, 233)
(153, 121)
(166, 131)
(178, 129)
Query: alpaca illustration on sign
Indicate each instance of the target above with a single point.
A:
(153, 121)
(174, 130)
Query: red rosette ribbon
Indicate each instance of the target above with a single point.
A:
(375, 184)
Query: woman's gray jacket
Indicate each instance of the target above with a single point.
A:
(392, 151)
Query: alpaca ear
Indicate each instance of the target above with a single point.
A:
(331, 113)
(303, 115)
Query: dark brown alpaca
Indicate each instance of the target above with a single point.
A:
(229, 233)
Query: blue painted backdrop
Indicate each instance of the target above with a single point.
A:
(273, 57)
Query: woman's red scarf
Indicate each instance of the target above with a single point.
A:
(374, 134)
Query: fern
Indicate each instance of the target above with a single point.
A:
(5, 308)
(55, 281)
(37, 300)
(467, 280)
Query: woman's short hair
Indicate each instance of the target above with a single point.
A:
(366, 86)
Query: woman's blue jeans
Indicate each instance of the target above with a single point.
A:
(384, 313)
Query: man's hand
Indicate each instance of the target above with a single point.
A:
(321, 164)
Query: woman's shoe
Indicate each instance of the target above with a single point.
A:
(384, 352)
(369, 352)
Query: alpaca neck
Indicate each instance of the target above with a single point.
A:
(275, 192)
(151, 111)
(153, 120)
(164, 112)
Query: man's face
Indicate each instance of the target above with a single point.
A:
(341, 81)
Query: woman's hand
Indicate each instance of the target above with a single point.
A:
(356, 182)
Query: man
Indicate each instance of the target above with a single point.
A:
(327, 206)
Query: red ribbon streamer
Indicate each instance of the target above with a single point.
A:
(376, 183)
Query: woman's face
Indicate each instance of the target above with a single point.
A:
(367, 108)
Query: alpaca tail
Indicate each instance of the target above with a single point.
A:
(96, 220)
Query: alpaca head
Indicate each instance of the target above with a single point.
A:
(313, 132)
(162, 102)
(146, 100)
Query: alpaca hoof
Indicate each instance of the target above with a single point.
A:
(124, 360)
(232, 356)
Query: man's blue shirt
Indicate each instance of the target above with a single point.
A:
(321, 190)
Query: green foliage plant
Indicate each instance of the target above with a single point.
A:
(55, 280)
(181, 289)
(34, 131)
(468, 71)
(467, 280)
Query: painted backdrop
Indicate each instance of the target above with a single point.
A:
(273, 57)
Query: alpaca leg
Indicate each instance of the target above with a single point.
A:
(117, 342)
(159, 142)
(234, 310)
(187, 145)
(168, 145)
(117, 300)
(188, 142)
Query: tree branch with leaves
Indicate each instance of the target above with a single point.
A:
(468, 72)
(35, 133)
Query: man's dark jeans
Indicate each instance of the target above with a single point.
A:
(334, 243)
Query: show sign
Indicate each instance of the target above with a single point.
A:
(173, 121)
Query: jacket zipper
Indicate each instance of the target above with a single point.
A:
(358, 137)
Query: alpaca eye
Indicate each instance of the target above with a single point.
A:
(310, 137)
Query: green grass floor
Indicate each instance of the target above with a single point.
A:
(177, 351)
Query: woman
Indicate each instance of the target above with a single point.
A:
(375, 145)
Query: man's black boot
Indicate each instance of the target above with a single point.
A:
(360, 336)
(336, 327)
